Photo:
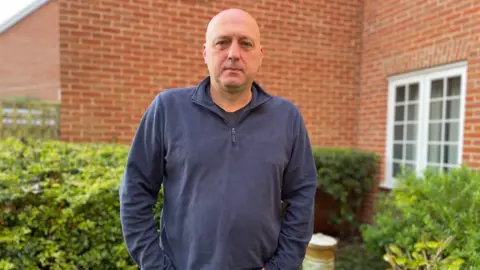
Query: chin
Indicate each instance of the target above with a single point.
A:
(233, 86)
(233, 82)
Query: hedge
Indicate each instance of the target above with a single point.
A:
(59, 206)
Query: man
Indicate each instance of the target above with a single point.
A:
(227, 154)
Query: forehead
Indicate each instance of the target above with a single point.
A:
(233, 32)
(237, 26)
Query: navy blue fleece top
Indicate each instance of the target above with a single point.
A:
(223, 184)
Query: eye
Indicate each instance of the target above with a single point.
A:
(247, 43)
(221, 42)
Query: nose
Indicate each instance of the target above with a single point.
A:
(234, 51)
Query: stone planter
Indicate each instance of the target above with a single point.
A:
(320, 253)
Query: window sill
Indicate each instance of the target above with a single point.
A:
(386, 186)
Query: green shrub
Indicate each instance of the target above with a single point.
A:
(59, 206)
(431, 207)
(346, 175)
(426, 255)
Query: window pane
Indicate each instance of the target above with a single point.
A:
(398, 151)
(400, 95)
(413, 92)
(398, 132)
(435, 168)
(447, 169)
(434, 153)
(435, 132)
(437, 89)
(411, 132)
(412, 112)
(453, 109)
(399, 113)
(395, 169)
(410, 167)
(453, 86)
(450, 154)
(452, 132)
(436, 110)
(410, 152)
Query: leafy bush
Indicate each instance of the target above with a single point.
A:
(59, 206)
(346, 175)
(432, 207)
(426, 255)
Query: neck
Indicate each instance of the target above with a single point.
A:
(230, 101)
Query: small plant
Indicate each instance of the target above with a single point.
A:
(425, 256)
(346, 175)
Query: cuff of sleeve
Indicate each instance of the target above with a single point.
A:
(168, 263)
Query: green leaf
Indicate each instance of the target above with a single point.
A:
(432, 244)
(457, 262)
(420, 246)
(393, 248)
(401, 261)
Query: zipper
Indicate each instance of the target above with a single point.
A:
(241, 118)
(234, 139)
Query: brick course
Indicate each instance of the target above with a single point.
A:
(116, 55)
(29, 56)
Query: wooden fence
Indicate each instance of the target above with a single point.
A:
(30, 119)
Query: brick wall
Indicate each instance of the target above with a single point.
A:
(116, 55)
(400, 36)
(29, 56)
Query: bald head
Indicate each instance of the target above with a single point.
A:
(232, 50)
(229, 18)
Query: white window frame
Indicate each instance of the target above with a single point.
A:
(423, 78)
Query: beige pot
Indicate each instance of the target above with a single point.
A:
(320, 253)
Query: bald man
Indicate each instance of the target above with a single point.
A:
(227, 154)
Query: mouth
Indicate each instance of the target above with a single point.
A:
(233, 69)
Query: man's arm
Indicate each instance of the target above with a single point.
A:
(298, 193)
(139, 189)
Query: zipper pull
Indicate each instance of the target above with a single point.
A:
(234, 139)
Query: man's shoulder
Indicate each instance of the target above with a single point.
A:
(284, 104)
(176, 93)
(169, 97)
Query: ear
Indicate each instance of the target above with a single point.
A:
(204, 53)
(261, 57)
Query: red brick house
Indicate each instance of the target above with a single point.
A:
(30, 54)
(399, 78)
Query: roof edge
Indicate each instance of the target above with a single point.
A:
(21, 15)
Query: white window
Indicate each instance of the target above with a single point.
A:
(425, 120)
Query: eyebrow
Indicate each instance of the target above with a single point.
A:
(229, 37)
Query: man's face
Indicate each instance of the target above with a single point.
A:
(232, 51)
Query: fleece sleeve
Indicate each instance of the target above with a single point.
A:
(298, 193)
(139, 190)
